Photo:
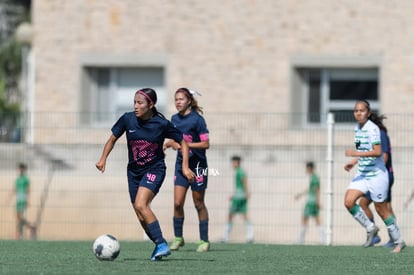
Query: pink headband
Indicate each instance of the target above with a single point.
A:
(147, 96)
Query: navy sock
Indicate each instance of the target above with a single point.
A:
(203, 226)
(155, 232)
(149, 235)
(178, 226)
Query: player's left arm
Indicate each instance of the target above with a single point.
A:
(204, 142)
(318, 196)
(28, 195)
(375, 152)
(386, 156)
(301, 194)
(203, 134)
(246, 187)
(199, 145)
(186, 170)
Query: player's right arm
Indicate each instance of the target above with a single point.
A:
(109, 145)
(351, 164)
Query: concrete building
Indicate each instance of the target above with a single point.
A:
(245, 56)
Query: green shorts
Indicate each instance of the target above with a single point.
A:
(21, 206)
(311, 209)
(238, 206)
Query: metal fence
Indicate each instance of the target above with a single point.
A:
(74, 201)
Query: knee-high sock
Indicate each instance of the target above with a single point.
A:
(203, 228)
(302, 233)
(227, 231)
(361, 217)
(178, 226)
(393, 230)
(155, 232)
(249, 231)
(322, 235)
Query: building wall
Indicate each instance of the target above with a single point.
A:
(237, 53)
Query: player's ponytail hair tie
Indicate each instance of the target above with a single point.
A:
(190, 92)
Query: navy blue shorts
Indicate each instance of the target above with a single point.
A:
(152, 180)
(200, 182)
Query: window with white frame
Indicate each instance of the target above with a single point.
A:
(108, 91)
(318, 91)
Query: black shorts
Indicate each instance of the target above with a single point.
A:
(201, 177)
(152, 179)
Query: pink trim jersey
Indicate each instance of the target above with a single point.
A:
(145, 139)
(194, 129)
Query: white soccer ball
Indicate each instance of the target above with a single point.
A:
(106, 247)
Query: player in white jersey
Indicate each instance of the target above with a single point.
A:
(372, 176)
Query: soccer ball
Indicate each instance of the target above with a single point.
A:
(106, 247)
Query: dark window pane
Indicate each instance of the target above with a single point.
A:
(314, 105)
(353, 89)
(343, 115)
(103, 96)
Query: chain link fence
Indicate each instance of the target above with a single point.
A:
(72, 200)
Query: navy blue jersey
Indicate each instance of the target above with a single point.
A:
(194, 129)
(386, 148)
(145, 139)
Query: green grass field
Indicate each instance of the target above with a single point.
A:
(76, 257)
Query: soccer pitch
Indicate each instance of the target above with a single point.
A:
(76, 257)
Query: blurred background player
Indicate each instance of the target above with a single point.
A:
(239, 201)
(410, 198)
(312, 205)
(366, 200)
(22, 192)
(190, 121)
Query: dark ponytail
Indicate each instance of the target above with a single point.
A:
(377, 119)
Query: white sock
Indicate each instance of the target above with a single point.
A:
(362, 218)
(249, 230)
(302, 234)
(394, 233)
(227, 231)
(322, 235)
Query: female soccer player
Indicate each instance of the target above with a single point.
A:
(312, 205)
(239, 201)
(372, 176)
(192, 124)
(386, 153)
(146, 129)
(22, 191)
